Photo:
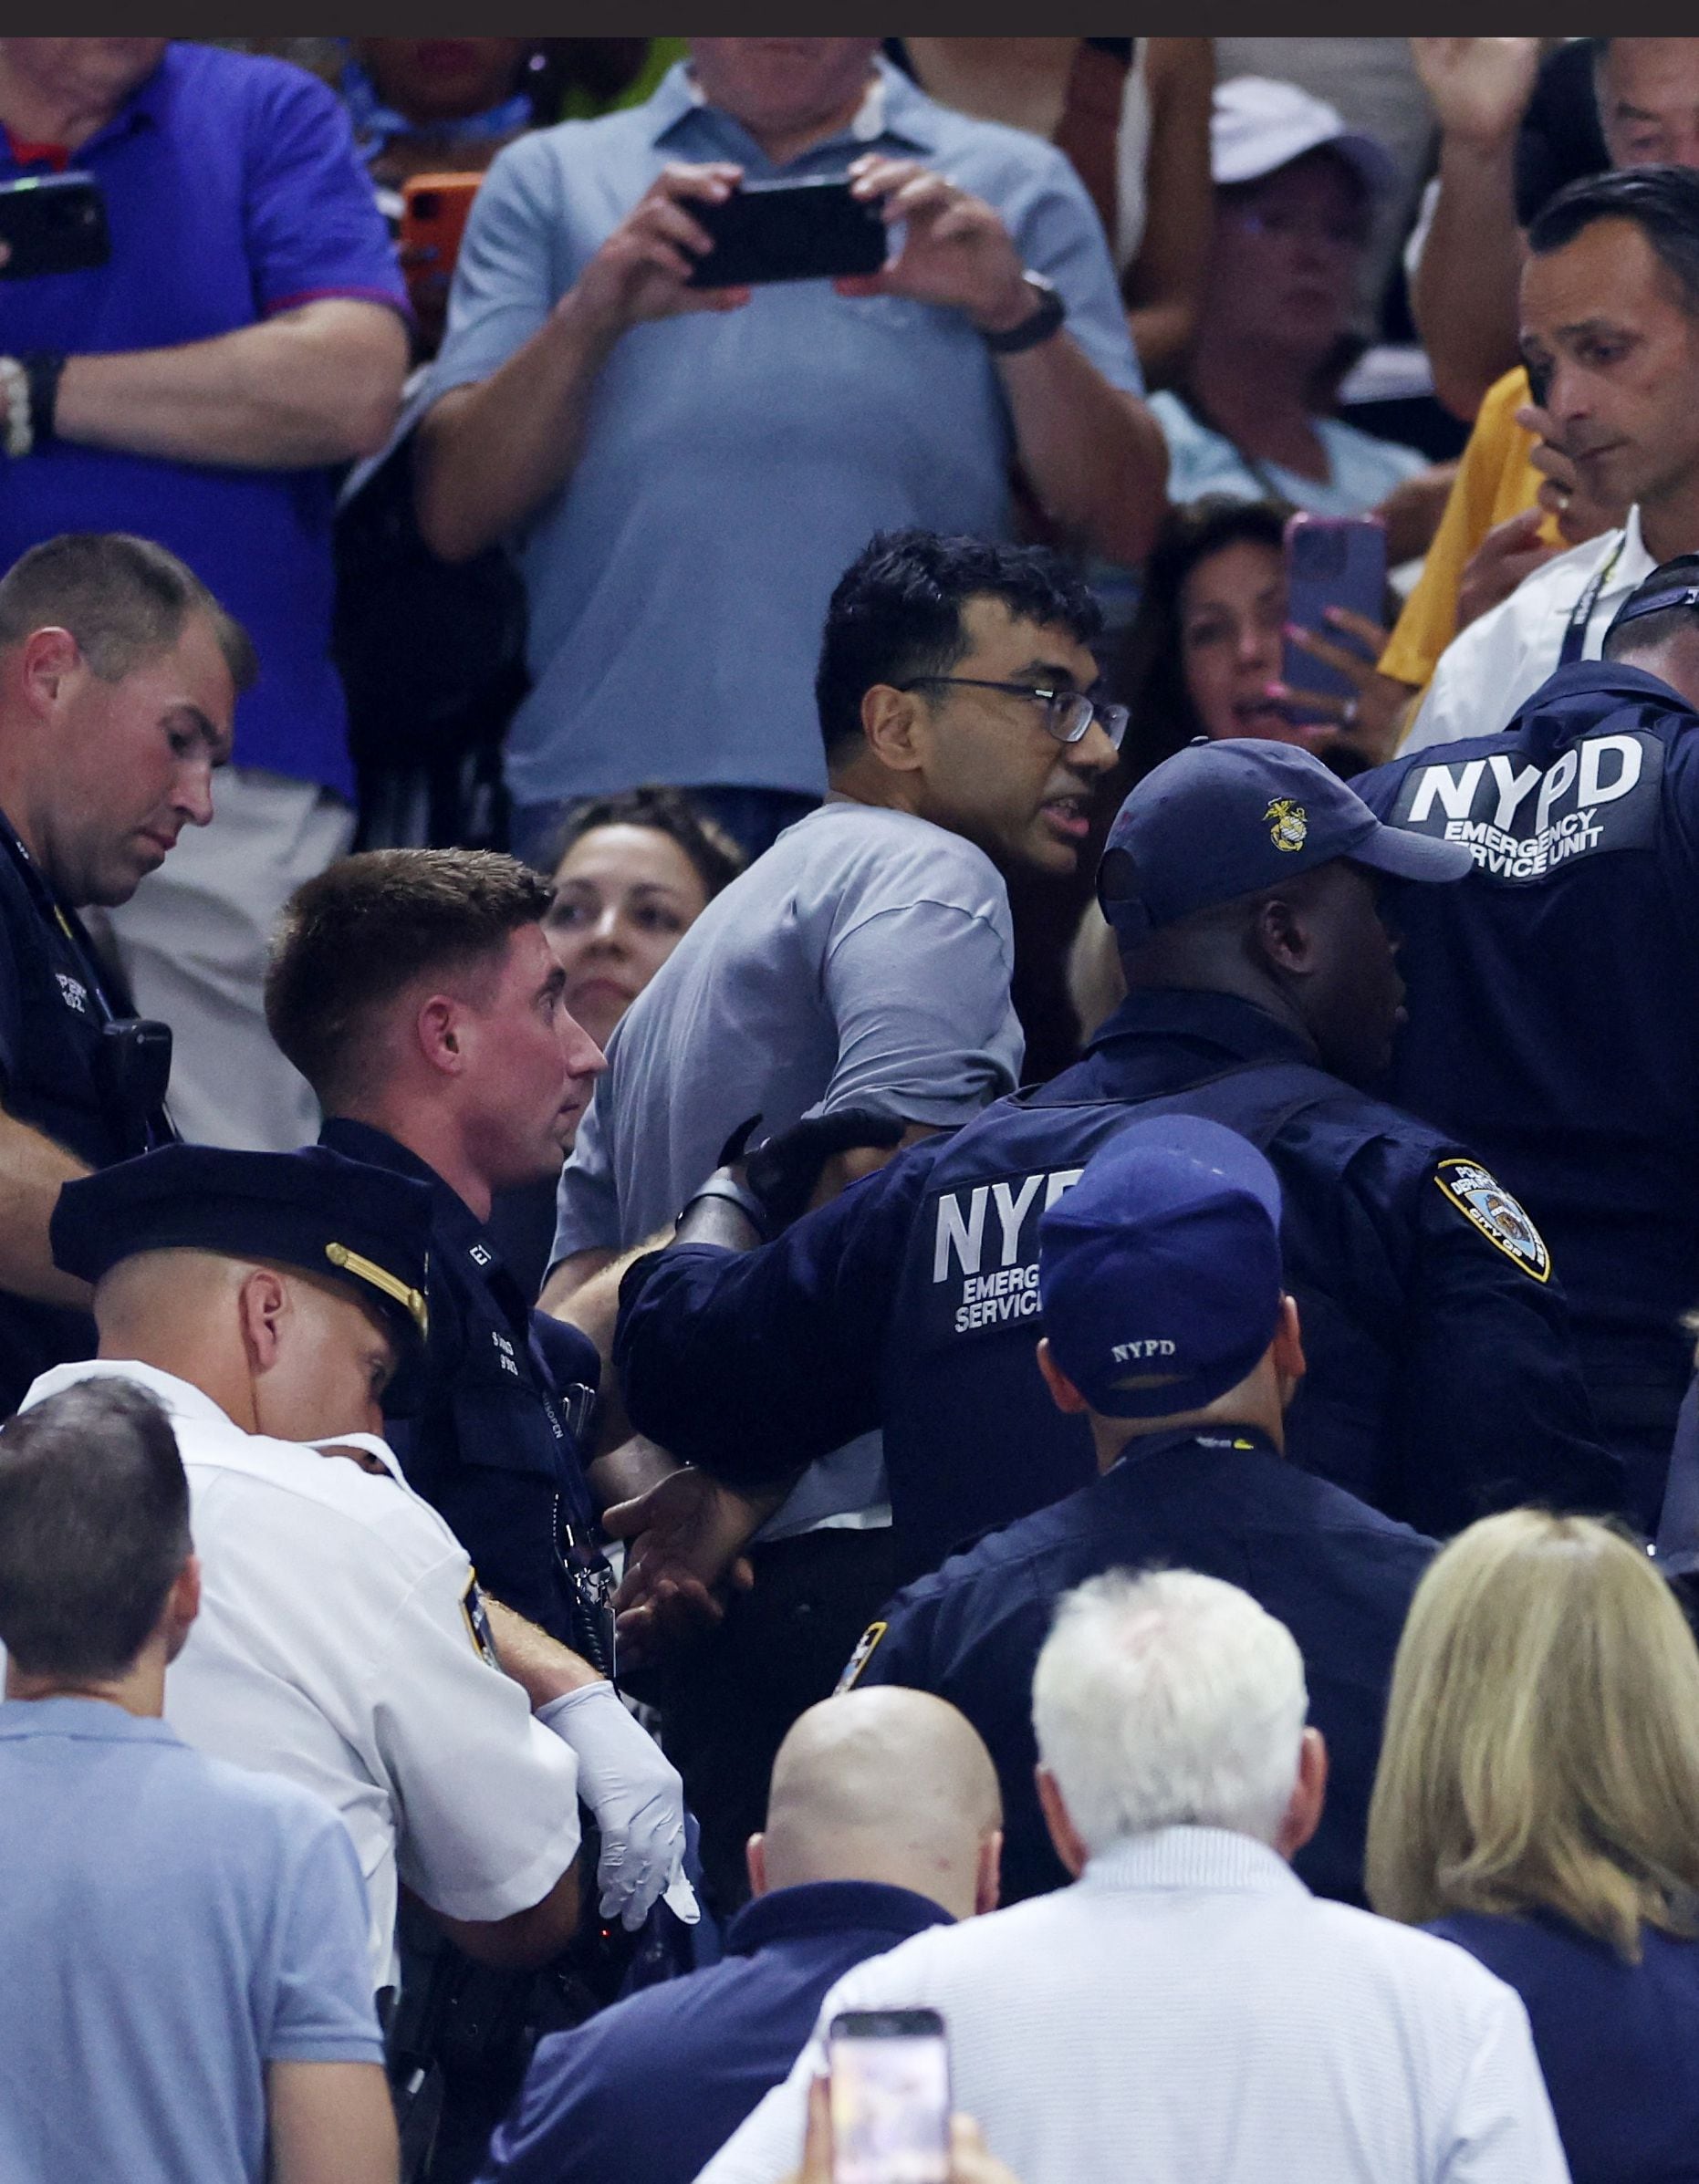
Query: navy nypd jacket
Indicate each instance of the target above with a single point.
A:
(1554, 1008)
(1337, 1574)
(647, 2091)
(1440, 1384)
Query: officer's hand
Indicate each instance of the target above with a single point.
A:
(785, 1172)
(686, 1534)
(636, 1797)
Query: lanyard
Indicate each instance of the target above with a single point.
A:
(1581, 615)
(50, 907)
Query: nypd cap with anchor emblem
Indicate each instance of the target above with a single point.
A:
(313, 1210)
(1159, 1271)
(1231, 817)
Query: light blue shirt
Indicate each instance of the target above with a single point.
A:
(1361, 470)
(735, 465)
(169, 1925)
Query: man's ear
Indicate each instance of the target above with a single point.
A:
(1069, 1844)
(263, 1305)
(892, 722)
(755, 1858)
(1310, 1795)
(183, 1604)
(988, 1879)
(48, 657)
(1280, 933)
(438, 1029)
(1288, 1345)
(1063, 1393)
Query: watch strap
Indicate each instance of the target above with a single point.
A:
(1045, 319)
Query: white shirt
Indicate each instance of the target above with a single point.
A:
(1497, 664)
(335, 1647)
(1188, 2010)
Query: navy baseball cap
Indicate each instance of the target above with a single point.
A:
(1159, 1271)
(342, 1220)
(1671, 584)
(1232, 816)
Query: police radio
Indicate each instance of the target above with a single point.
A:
(133, 1071)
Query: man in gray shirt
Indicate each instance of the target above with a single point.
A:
(863, 961)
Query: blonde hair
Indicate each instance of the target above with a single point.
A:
(1542, 1737)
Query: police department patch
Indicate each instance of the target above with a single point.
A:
(1484, 1201)
(859, 1659)
(478, 1622)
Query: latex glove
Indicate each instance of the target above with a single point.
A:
(636, 1797)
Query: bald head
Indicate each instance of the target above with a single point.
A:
(889, 1786)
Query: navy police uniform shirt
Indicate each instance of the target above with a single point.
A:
(1554, 1009)
(55, 995)
(648, 2091)
(1337, 1574)
(1440, 1383)
(493, 1447)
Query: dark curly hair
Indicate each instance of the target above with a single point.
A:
(716, 857)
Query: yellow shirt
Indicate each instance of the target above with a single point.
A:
(1495, 481)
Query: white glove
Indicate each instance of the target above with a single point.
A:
(636, 1797)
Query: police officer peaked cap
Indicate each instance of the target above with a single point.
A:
(1232, 816)
(1159, 1271)
(315, 1210)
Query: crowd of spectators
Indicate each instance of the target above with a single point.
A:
(848, 1194)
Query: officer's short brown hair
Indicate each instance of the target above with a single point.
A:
(368, 927)
(123, 599)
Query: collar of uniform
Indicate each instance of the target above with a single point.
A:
(894, 112)
(360, 1141)
(1204, 1858)
(1578, 700)
(181, 1398)
(831, 1907)
(1243, 1032)
(1213, 1440)
(89, 1720)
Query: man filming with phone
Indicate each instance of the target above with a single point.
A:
(694, 466)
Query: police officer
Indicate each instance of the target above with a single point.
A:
(414, 991)
(1554, 997)
(1166, 1326)
(265, 1299)
(1240, 878)
(119, 678)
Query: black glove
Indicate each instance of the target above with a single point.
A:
(785, 1171)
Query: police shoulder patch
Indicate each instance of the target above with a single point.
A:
(859, 1659)
(479, 1623)
(1487, 1206)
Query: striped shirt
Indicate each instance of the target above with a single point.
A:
(1188, 2010)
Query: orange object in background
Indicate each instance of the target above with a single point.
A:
(434, 210)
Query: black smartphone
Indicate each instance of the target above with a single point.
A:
(787, 231)
(889, 2097)
(1539, 382)
(1331, 561)
(52, 223)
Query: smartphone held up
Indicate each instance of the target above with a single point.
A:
(1331, 561)
(789, 230)
(889, 2097)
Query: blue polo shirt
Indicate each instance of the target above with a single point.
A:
(733, 465)
(1617, 2042)
(233, 193)
(648, 2091)
(169, 1926)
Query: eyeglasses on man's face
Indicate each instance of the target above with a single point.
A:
(1067, 714)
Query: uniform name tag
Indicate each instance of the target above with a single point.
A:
(1523, 822)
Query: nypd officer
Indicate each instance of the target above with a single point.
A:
(266, 1299)
(119, 678)
(1241, 879)
(1554, 997)
(1167, 1328)
(414, 991)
